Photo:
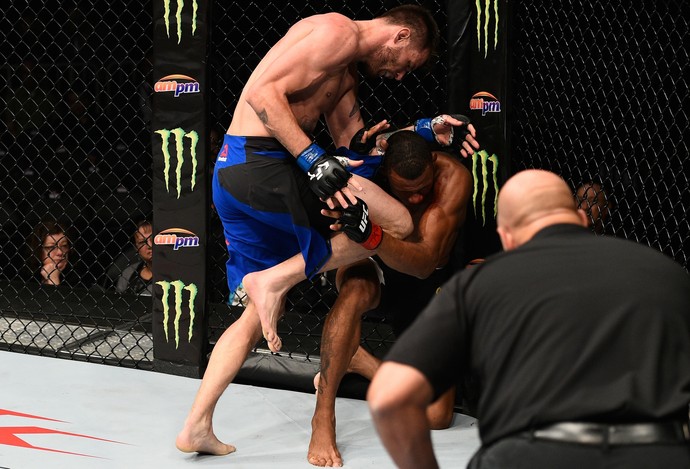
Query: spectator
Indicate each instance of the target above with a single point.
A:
(580, 343)
(50, 249)
(137, 278)
(596, 203)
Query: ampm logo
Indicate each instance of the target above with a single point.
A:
(178, 290)
(485, 102)
(170, 84)
(177, 238)
(487, 12)
(480, 162)
(178, 136)
(179, 7)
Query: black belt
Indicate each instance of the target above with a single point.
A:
(585, 433)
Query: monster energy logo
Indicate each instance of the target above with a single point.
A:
(481, 159)
(179, 135)
(485, 8)
(178, 17)
(178, 288)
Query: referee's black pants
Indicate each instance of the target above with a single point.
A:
(523, 452)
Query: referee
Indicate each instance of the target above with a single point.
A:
(580, 345)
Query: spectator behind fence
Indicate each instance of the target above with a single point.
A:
(137, 278)
(580, 343)
(596, 203)
(50, 254)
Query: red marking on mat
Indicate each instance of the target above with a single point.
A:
(8, 435)
(29, 416)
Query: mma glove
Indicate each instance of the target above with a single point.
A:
(362, 148)
(425, 128)
(358, 227)
(326, 174)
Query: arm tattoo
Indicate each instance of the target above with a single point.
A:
(263, 116)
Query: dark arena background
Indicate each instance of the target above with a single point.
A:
(96, 137)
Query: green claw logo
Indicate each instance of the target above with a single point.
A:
(484, 9)
(178, 17)
(179, 135)
(482, 159)
(178, 288)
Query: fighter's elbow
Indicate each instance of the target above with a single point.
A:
(255, 99)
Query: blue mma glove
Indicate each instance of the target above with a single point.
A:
(425, 128)
(327, 175)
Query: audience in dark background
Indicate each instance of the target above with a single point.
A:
(50, 254)
(137, 278)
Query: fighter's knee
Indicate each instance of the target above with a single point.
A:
(440, 421)
(365, 288)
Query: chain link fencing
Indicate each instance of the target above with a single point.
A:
(241, 35)
(76, 170)
(601, 98)
(598, 88)
(75, 178)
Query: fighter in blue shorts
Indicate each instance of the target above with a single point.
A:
(311, 73)
(268, 211)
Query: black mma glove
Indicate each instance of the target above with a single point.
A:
(326, 174)
(358, 227)
(357, 146)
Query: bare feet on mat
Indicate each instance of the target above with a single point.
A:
(203, 441)
(268, 305)
(322, 448)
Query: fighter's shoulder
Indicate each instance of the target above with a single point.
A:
(453, 178)
(330, 28)
(334, 22)
(450, 165)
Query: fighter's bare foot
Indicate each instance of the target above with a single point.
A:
(317, 380)
(201, 441)
(322, 448)
(268, 304)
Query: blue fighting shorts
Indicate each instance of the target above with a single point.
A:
(269, 214)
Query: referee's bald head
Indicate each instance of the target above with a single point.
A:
(531, 200)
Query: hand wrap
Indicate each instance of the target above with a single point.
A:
(359, 228)
(425, 128)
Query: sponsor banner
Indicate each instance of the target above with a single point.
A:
(180, 185)
(177, 84)
(484, 176)
(175, 12)
(179, 149)
(478, 51)
(177, 238)
(178, 301)
(484, 102)
(488, 15)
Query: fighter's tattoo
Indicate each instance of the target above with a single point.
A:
(354, 110)
(263, 116)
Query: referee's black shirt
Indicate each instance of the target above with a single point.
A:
(568, 327)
